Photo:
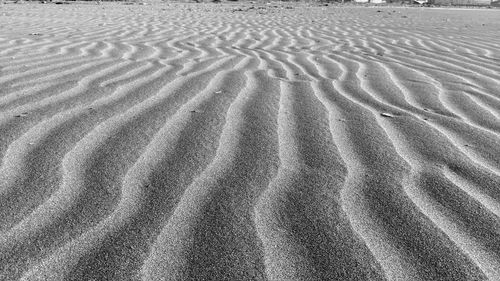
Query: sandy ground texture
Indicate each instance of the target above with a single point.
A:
(249, 142)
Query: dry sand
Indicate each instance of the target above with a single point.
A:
(249, 142)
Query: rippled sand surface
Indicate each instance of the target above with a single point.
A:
(249, 142)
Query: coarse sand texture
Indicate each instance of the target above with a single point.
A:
(248, 141)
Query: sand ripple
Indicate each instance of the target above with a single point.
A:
(248, 142)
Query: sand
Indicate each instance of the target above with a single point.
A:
(282, 141)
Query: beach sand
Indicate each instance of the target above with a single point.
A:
(281, 141)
